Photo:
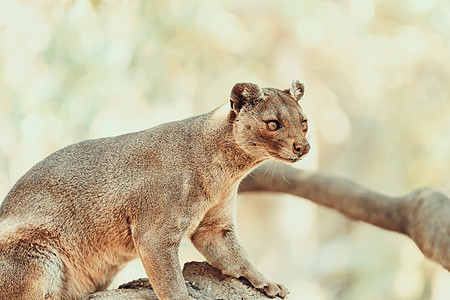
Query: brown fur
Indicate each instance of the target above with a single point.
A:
(72, 221)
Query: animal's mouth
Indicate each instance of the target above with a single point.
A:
(295, 159)
(292, 159)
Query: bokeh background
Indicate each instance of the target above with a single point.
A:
(377, 77)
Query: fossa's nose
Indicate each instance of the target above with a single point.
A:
(301, 148)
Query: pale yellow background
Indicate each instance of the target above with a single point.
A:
(377, 77)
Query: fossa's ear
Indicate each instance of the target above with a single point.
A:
(244, 94)
(297, 90)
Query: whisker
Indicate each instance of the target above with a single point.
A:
(251, 174)
(273, 171)
(283, 175)
(264, 174)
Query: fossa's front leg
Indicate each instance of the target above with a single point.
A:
(158, 251)
(216, 239)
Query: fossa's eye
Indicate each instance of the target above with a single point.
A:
(273, 125)
(304, 126)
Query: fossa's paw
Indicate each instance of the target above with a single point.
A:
(273, 289)
(260, 282)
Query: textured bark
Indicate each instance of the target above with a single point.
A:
(203, 281)
(423, 215)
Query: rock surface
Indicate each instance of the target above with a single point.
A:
(203, 281)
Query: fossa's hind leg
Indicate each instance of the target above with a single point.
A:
(30, 277)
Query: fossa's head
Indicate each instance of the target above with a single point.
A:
(269, 122)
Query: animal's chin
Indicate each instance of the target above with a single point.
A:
(289, 160)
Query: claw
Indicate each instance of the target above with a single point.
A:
(273, 290)
(284, 291)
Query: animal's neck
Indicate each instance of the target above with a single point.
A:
(231, 157)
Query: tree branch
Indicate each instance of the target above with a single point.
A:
(203, 281)
(423, 215)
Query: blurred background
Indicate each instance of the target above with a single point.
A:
(377, 77)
